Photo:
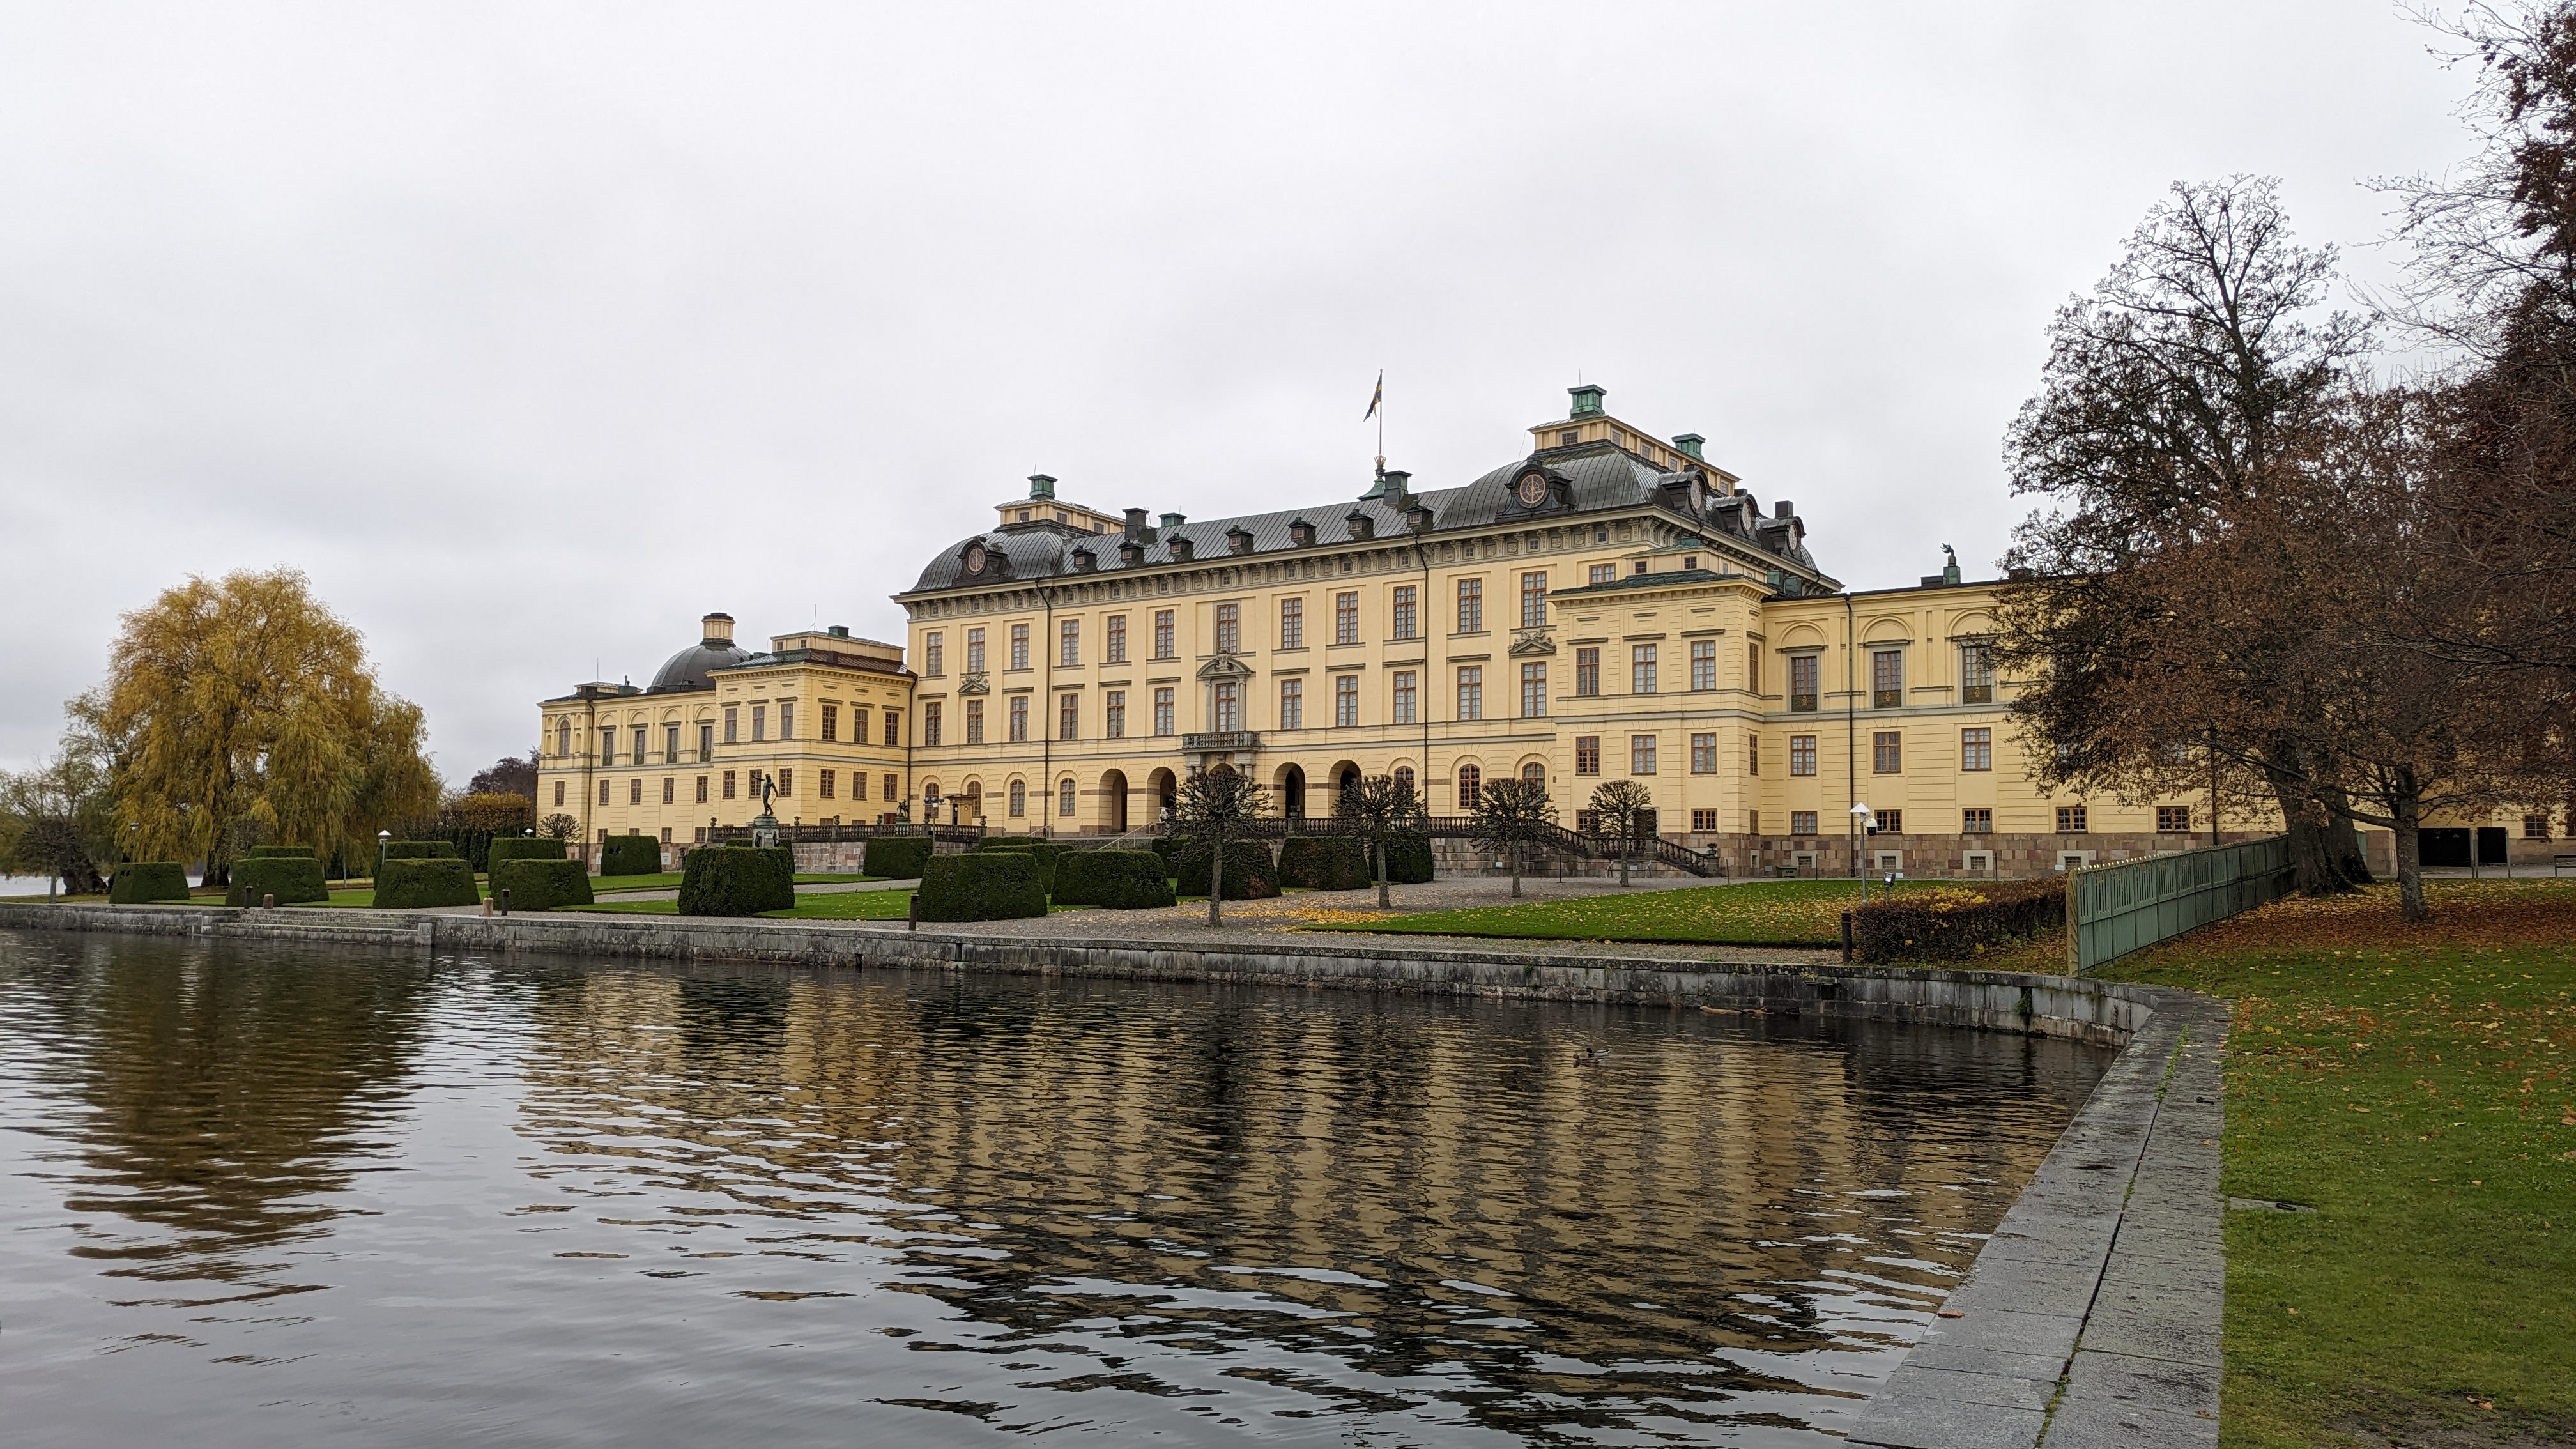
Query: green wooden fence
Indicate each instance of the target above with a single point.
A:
(2112, 910)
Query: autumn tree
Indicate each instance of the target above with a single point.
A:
(1378, 809)
(1508, 815)
(509, 775)
(245, 701)
(1619, 810)
(58, 819)
(1218, 806)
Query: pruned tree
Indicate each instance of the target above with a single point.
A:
(1508, 815)
(1378, 809)
(559, 826)
(1619, 810)
(1218, 806)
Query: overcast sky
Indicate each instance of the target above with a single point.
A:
(531, 332)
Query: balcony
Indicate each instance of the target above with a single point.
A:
(1221, 742)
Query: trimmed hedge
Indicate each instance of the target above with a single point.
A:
(990, 885)
(1049, 854)
(1324, 862)
(538, 884)
(417, 882)
(899, 857)
(1408, 859)
(634, 855)
(290, 878)
(1122, 880)
(737, 880)
(1169, 847)
(283, 852)
(138, 881)
(1957, 923)
(420, 850)
(522, 847)
(1249, 874)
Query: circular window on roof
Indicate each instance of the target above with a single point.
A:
(1532, 490)
(974, 558)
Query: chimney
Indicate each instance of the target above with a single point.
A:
(716, 631)
(1783, 508)
(1399, 484)
(1690, 444)
(1587, 400)
(1041, 486)
(1136, 523)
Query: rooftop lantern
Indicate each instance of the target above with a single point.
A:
(1041, 486)
(1587, 400)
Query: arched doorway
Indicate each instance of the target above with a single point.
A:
(1113, 792)
(1166, 789)
(1290, 786)
(1345, 777)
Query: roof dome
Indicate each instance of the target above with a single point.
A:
(687, 669)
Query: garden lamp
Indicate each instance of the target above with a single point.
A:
(1860, 814)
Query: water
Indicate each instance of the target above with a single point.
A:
(272, 1195)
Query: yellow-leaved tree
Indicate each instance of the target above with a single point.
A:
(243, 702)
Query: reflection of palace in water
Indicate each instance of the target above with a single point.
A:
(1694, 1193)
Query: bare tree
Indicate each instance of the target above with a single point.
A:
(1510, 813)
(1379, 809)
(1217, 806)
(1620, 809)
(559, 827)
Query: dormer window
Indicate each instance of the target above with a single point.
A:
(1238, 540)
(1361, 525)
(1181, 550)
(1301, 534)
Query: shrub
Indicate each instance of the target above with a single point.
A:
(538, 884)
(1047, 852)
(1169, 847)
(1324, 862)
(506, 848)
(899, 857)
(138, 881)
(421, 850)
(992, 885)
(283, 852)
(1408, 859)
(1249, 875)
(412, 883)
(737, 880)
(1122, 880)
(632, 855)
(1956, 923)
(290, 878)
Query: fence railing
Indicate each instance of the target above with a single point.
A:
(2129, 905)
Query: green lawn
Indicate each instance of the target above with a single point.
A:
(1756, 913)
(666, 880)
(823, 906)
(2412, 1085)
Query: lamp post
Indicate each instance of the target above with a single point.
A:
(384, 838)
(1861, 824)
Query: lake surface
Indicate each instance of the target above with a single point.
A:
(274, 1195)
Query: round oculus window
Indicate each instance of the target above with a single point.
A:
(1532, 490)
(975, 558)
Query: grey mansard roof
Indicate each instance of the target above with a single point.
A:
(1593, 478)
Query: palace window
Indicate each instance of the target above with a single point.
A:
(1346, 700)
(1587, 672)
(1404, 692)
(728, 784)
(893, 789)
(974, 721)
(608, 745)
(1019, 798)
(824, 784)
(787, 721)
(1471, 691)
(2176, 820)
(1229, 628)
(1704, 754)
(787, 782)
(1533, 600)
(1977, 820)
(2534, 827)
(974, 651)
(702, 791)
(1753, 667)
(1019, 719)
(1753, 822)
(1887, 752)
(1977, 749)
(1117, 638)
(1404, 776)
(1292, 623)
(1886, 678)
(1641, 669)
(1068, 716)
(1292, 704)
(1803, 672)
(670, 744)
(1641, 754)
(563, 739)
(893, 729)
(1114, 714)
(2071, 820)
(639, 745)
(1976, 674)
(1405, 612)
(706, 742)
(634, 792)
(1605, 573)
(1802, 754)
(1753, 754)
(930, 723)
(1064, 802)
(1471, 787)
(1346, 617)
(1533, 691)
(1068, 652)
(1703, 820)
(934, 652)
(759, 723)
(1890, 822)
(1471, 606)
(670, 790)
(1019, 646)
(1163, 710)
(559, 792)
(1163, 634)
(1534, 772)
(1703, 664)
(1802, 822)
(1587, 754)
(1228, 699)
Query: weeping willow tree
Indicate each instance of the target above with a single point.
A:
(242, 708)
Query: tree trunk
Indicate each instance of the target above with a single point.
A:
(2343, 843)
(2314, 868)
(1216, 884)
(2410, 862)
(1516, 866)
(1383, 903)
(1627, 847)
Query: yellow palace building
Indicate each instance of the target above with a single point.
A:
(1610, 605)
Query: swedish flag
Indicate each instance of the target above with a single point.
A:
(1375, 398)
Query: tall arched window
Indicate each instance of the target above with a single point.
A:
(1019, 798)
(1404, 773)
(1471, 784)
(1534, 772)
(1064, 796)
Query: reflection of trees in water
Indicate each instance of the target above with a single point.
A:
(229, 1088)
(1669, 1216)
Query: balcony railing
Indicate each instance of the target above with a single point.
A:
(1802, 703)
(1218, 742)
